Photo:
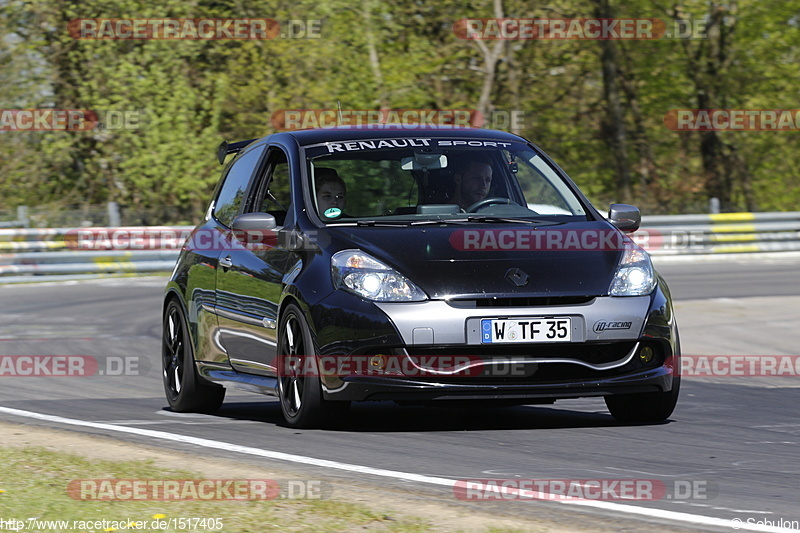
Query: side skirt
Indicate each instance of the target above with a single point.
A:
(236, 380)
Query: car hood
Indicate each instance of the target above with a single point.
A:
(493, 259)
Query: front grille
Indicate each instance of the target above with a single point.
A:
(592, 353)
(544, 372)
(533, 301)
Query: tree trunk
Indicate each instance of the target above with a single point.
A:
(374, 59)
(614, 123)
(724, 170)
(648, 172)
(491, 56)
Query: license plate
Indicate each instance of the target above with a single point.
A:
(526, 330)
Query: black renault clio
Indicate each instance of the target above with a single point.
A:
(416, 265)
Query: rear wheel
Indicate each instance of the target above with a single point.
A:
(299, 387)
(644, 407)
(185, 390)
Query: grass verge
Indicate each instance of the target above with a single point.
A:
(34, 486)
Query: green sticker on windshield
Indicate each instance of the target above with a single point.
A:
(333, 212)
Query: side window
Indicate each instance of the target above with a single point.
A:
(234, 188)
(274, 193)
(543, 189)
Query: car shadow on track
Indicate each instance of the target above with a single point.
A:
(386, 417)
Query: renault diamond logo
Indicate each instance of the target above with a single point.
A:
(517, 277)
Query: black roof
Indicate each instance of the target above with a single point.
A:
(371, 131)
(377, 131)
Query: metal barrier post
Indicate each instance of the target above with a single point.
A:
(114, 218)
(22, 216)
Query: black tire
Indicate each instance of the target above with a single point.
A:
(186, 392)
(300, 393)
(644, 407)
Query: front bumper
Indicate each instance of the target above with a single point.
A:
(360, 388)
(599, 361)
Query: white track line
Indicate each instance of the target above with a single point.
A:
(407, 476)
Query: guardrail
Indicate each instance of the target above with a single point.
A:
(720, 233)
(54, 254)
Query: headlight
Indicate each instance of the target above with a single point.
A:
(634, 275)
(366, 276)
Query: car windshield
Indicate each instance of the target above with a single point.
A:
(408, 180)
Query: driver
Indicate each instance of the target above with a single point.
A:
(331, 192)
(473, 178)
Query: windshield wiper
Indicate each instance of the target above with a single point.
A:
(368, 222)
(439, 221)
(426, 222)
(389, 223)
(507, 220)
(435, 221)
(373, 222)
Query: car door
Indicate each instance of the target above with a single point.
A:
(208, 241)
(250, 275)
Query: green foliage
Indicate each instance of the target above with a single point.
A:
(184, 97)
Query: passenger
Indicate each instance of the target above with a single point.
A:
(473, 179)
(331, 193)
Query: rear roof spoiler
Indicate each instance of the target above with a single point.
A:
(232, 148)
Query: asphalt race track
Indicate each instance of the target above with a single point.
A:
(735, 441)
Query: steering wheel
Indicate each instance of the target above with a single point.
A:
(488, 201)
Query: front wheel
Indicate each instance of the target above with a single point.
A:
(646, 406)
(299, 386)
(185, 390)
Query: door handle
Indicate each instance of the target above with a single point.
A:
(226, 262)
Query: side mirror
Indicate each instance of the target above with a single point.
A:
(625, 217)
(254, 221)
(255, 228)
